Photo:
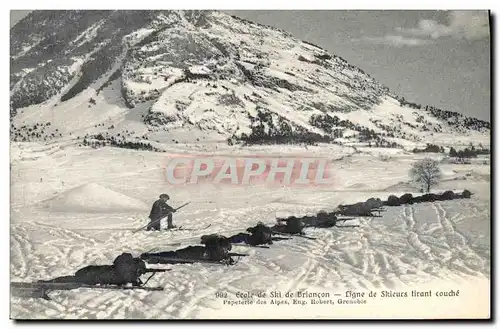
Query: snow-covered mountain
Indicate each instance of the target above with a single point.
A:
(202, 82)
(151, 77)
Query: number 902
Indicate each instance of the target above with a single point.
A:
(220, 294)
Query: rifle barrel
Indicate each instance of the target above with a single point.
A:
(347, 218)
(156, 270)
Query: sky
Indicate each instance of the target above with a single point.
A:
(17, 15)
(438, 58)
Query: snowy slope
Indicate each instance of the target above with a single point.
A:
(408, 247)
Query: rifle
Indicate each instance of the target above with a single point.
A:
(153, 271)
(156, 270)
(297, 235)
(345, 219)
(279, 238)
(235, 254)
(159, 219)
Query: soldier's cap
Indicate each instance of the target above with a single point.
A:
(164, 195)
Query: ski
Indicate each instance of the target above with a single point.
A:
(249, 245)
(279, 238)
(182, 228)
(304, 236)
(196, 229)
(347, 226)
(174, 229)
(74, 285)
(296, 235)
(175, 260)
(41, 289)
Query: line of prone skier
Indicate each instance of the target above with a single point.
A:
(213, 248)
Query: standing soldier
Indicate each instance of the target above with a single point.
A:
(160, 209)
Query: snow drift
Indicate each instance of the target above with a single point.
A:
(93, 197)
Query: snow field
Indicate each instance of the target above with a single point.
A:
(99, 196)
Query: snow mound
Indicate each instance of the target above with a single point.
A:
(93, 197)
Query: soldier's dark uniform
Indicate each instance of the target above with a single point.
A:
(159, 210)
(293, 225)
(324, 219)
(216, 247)
(259, 234)
(125, 269)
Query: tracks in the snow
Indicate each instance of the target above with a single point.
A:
(414, 236)
(466, 258)
(409, 243)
